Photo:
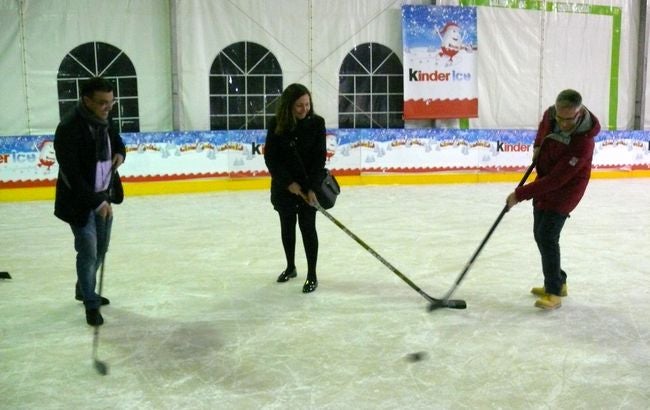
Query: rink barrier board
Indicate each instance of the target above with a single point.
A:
(205, 161)
(190, 186)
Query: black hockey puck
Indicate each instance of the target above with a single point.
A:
(416, 357)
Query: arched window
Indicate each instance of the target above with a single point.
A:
(98, 59)
(371, 91)
(245, 85)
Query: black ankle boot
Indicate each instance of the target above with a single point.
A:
(287, 274)
(94, 318)
(104, 301)
(310, 285)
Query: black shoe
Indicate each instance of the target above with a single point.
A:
(285, 276)
(309, 286)
(94, 318)
(104, 300)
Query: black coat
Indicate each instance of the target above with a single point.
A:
(282, 153)
(76, 155)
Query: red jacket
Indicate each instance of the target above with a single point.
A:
(563, 164)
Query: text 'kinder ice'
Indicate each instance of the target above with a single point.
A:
(418, 75)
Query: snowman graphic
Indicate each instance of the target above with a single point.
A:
(46, 154)
(452, 48)
(330, 144)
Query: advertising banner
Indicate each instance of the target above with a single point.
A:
(30, 161)
(440, 60)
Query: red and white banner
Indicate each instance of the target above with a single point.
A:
(440, 60)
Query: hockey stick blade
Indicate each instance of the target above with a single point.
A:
(455, 304)
(5, 275)
(451, 304)
(101, 367)
(443, 303)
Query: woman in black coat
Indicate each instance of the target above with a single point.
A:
(294, 153)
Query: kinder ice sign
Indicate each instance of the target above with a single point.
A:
(440, 60)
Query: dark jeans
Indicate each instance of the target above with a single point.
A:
(547, 227)
(305, 215)
(91, 243)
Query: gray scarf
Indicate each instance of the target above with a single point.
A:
(583, 126)
(98, 129)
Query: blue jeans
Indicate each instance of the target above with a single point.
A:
(91, 243)
(547, 226)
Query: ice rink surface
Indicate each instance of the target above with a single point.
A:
(197, 321)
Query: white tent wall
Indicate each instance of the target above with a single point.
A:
(569, 62)
(645, 120)
(206, 27)
(310, 39)
(361, 22)
(13, 106)
(54, 27)
(628, 60)
(508, 68)
(525, 56)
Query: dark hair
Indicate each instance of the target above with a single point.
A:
(284, 115)
(568, 99)
(89, 87)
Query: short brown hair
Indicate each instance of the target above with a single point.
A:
(93, 84)
(568, 99)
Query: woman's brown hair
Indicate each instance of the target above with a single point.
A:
(284, 115)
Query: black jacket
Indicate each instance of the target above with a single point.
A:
(76, 155)
(281, 153)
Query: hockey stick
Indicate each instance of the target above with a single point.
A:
(440, 303)
(5, 275)
(100, 366)
(448, 303)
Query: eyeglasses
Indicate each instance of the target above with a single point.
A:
(568, 119)
(104, 103)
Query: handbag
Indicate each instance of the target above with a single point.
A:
(115, 189)
(328, 189)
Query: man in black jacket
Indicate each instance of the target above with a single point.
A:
(88, 152)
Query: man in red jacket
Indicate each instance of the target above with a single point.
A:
(563, 151)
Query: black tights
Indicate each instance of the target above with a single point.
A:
(306, 218)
